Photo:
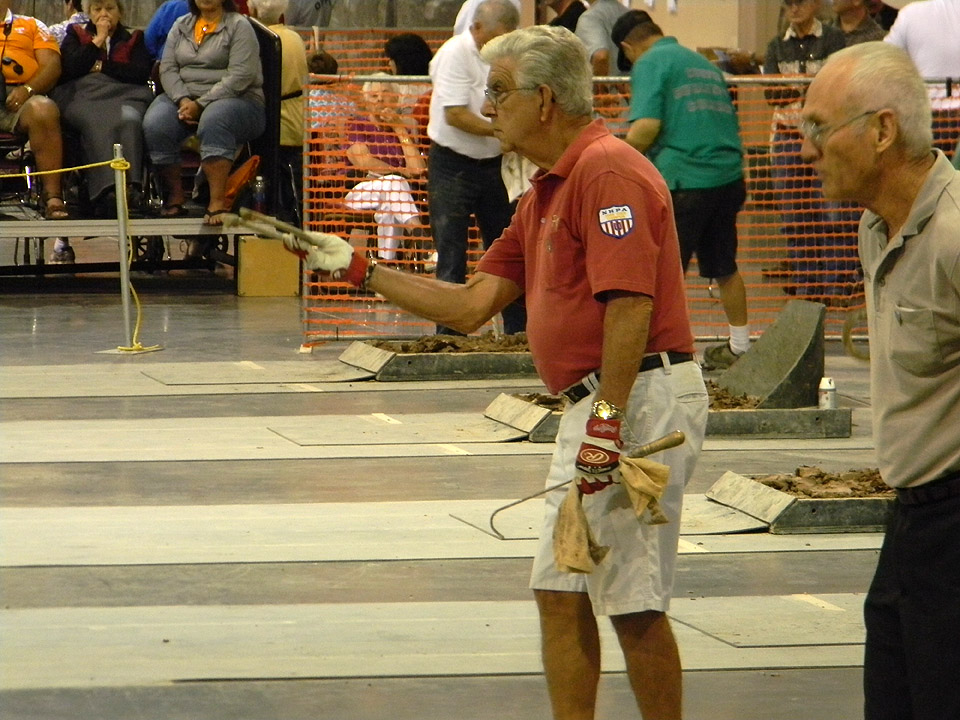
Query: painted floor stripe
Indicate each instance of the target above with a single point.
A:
(335, 532)
(85, 647)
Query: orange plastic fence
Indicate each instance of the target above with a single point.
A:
(793, 242)
(360, 52)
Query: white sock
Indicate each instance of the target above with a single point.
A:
(739, 338)
(60, 245)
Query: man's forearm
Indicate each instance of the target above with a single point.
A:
(461, 307)
(626, 326)
(643, 133)
(468, 121)
(600, 62)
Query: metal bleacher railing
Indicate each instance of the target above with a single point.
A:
(793, 243)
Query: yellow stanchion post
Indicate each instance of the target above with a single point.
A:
(123, 239)
(120, 167)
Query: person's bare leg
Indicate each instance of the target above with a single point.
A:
(217, 170)
(653, 663)
(172, 177)
(571, 652)
(40, 120)
(733, 296)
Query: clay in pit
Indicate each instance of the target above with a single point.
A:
(812, 482)
(720, 399)
(487, 343)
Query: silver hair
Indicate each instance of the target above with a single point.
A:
(368, 85)
(87, 3)
(492, 14)
(884, 76)
(269, 11)
(551, 56)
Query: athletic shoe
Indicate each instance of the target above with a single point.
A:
(719, 357)
(63, 256)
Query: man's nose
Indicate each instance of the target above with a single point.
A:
(808, 151)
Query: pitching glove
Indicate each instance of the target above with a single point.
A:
(329, 254)
(598, 460)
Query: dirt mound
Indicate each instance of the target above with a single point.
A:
(812, 482)
(550, 402)
(721, 399)
(488, 342)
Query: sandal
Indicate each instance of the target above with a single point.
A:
(173, 211)
(54, 208)
(212, 217)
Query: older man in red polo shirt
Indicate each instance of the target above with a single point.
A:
(593, 251)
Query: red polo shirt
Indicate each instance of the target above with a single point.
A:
(601, 219)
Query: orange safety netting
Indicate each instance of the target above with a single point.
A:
(360, 52)
(792, 242)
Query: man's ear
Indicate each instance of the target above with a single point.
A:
(889, 129)
(547, 100)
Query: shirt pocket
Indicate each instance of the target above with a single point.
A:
(561, 256)
(913, 341)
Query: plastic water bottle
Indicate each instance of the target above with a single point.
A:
(828, 394)
(259, 191)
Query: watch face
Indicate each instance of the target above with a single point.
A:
(605, 411)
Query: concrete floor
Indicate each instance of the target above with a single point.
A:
(360, 618)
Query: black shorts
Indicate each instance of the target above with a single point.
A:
(707, 227)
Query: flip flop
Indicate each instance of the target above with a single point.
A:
(55, 209)
(173, 211)
(212, 215)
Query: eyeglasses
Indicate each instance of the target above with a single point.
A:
(495, 97)
(818, 134)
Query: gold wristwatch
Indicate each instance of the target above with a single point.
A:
(606, 410)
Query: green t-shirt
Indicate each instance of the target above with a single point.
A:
(699, 141)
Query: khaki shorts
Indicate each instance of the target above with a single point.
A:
(637, 573)
(9, 120)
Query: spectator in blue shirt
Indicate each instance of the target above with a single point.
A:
(160, 24)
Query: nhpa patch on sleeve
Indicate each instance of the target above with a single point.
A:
(616, 221)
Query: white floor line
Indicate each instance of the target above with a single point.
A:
(303, 436)
(332, 532)
(134, 377)
(88, 647)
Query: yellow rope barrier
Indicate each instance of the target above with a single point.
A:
(116, 164)
(136, 346)
(120, 164)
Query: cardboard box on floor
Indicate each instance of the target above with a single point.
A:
(266, 269)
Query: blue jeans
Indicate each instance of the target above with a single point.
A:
(224, 126)
(821, 235)
(458, 187)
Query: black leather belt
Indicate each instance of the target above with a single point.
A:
(576, 393)
(943, 488)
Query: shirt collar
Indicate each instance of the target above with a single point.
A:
(816, 31)
(924, 205)
(563, 167)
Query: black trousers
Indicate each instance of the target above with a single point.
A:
(912, 615)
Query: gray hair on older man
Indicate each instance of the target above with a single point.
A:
(551, 56)
(884, 76)
(497, 13)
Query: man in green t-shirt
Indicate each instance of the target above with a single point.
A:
(683, 119)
